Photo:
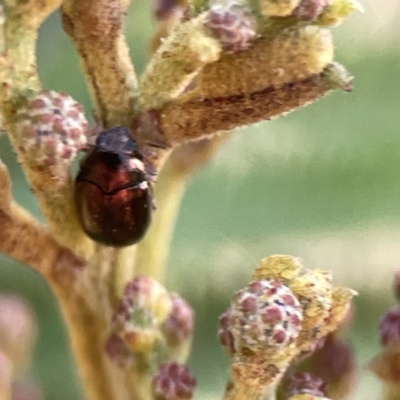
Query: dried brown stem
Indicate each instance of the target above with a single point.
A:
(24, 239)
(182, 121)
(96, 29)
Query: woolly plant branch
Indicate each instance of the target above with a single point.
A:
(289, 65)
(96, 29)
(20, 230)
(20, 82)
(244, 392)
(85, 298)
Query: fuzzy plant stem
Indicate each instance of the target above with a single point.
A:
(20, 81)
(153, 251)
(96, 30)
(391, 392)
(239, 391)
(85, 296)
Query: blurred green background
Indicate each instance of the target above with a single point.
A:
(323, 184)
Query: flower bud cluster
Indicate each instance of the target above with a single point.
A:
(386, 364)
(233, 24)
(224, 332)
(173, 382)
(179, 324)
(310, 9)
(146, 318)
(265, 314)
(281, 316)
(389, 328)
(335, 363)
(145, 305)
(52, 129)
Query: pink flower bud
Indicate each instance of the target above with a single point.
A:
(265, 314)
(174, 382)
(234, 25)
(389, 328)
(143, 309)
(224, 332)
(310, 9)
(52, 127)
(179, 324)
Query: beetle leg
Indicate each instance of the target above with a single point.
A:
(149, 166)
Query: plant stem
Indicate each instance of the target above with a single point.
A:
(153, 250)
(86, 304)
(241, 391)
(96, 28)
(391, 392)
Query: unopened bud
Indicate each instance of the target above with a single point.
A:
(389, 328)
(144, 307)
(310, 9)
(224, 332)
(233, 24)
(334, 362)
(119, 352)
(174, 382)
(265, 314)
(52, 129)
(179, 324)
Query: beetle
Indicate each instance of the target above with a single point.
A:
(113, 190)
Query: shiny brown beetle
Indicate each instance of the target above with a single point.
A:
(113, 193)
